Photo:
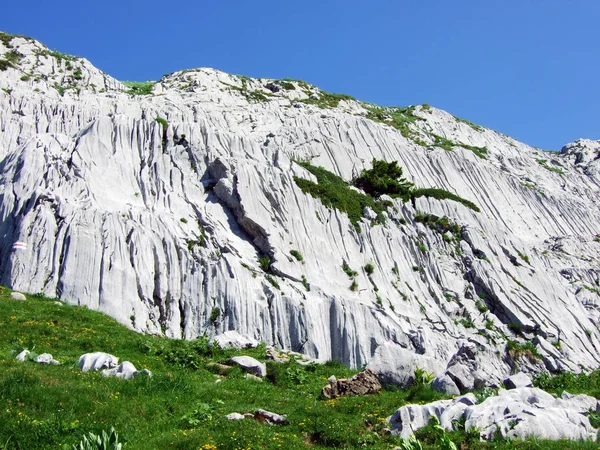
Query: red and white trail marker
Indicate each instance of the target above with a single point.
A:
(19, 245)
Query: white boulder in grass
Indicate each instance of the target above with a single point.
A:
(250, 365)
(21, 356)
(97, 361)
(46, 358)
(17, 296)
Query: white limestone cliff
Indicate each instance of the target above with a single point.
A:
(162, 226)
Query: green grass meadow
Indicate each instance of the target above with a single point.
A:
(181, 406)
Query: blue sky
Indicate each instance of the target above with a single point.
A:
(526, 68)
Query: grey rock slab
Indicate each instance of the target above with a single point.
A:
(445, 385)
(250, 365)
(517, 413)
(125, 370)
(518, 380)
(235, 416)
(17, 296)
(394, 365)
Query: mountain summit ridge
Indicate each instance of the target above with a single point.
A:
(178, 213)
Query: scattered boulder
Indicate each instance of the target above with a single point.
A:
(22, 356)
(517, 413)
(445, 385)
(517, 380)
(261, 415)
(126, 371)
(394, 365)
(269, 417)
(233, 339)
(97, 361)
(362, 383)
(46, 358)
(408, 419)
(250, 365)
(18, 296)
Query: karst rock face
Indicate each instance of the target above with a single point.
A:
(161, 223)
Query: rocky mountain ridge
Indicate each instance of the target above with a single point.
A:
(173, 207)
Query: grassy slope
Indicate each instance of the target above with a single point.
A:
(181, 407)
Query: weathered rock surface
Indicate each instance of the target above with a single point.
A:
(517, 380)
(233, 339)
(394, 365)
(22, 356)
(362, 383)
(445, 385)
(517, 413)
(161, 224)
(250, 365)
(269, 417)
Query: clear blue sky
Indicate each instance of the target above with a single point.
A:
(527, 68)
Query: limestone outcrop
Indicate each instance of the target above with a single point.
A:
(178, 213)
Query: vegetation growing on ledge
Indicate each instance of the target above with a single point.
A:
(333, 191)
(442, 194)
(384, 178)
(139, 87)
(327, 99)
(544, 164)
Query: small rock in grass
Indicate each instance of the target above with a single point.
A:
(251, 365)
(46, 358)
(269, 417)
(235, 416)
(17, 296)
(21, 356)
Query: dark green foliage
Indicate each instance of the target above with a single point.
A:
(13, 57)
(440, 224)
(4, 64)
(5, 38)
(333, 191)
(265, 263)
(524, 257)
(369, 268)
(544, 164)
(527, 349)
(327, 100)
(384, 178)
(305, 283)
(273, 283)
(287, 85)
(448, 145)
(162, 122)
(354, 286)
(214, 314)
(441, 194)
(296, 254)
(139, 87)
(77, 74)
(348, 270)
